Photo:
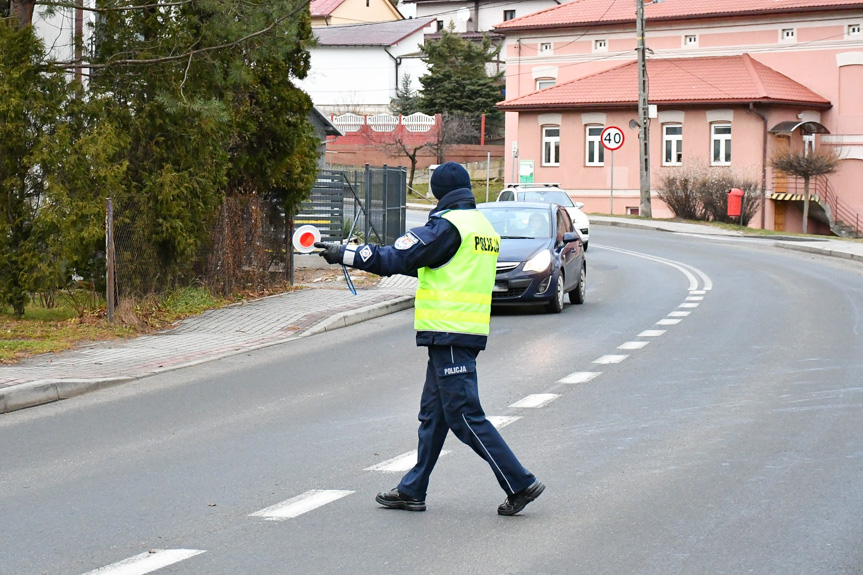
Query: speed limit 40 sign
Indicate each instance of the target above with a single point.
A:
(611, 138)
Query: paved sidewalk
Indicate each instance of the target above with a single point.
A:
(212, 335)
(271, 321)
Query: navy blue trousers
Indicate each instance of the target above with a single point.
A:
(450, 401)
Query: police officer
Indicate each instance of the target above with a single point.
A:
(454, 256)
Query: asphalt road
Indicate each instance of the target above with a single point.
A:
(720, 433)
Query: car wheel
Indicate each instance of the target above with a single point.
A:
(576, 296)
(556, 304)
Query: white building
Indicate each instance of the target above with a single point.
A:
(358, 68)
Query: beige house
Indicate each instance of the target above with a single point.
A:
(344, 12)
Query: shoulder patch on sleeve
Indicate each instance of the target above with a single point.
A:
(406, 242)
(366, 253)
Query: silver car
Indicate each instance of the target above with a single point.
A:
(550, 194)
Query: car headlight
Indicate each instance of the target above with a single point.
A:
(539, 262)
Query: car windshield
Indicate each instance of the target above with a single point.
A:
(519, 223)
(546, 197)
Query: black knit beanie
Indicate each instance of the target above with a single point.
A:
(448, 177)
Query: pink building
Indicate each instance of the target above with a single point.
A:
(731, 80)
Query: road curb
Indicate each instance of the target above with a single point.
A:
(45, 391)
(819, 251)
(362, 314)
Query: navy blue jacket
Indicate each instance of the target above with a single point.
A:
(431, 245)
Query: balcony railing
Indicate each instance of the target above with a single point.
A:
(821, 190)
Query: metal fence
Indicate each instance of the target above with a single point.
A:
(247, 249)
(366, 204)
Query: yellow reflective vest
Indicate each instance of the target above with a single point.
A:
(456, 297)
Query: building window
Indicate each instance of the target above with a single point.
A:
(808, 144)
(600, 45)
(543, 83)
(545, 48)
(788, 35)
(690, 40)
(720, 135)
(672, 144)
(508, 15)
(551, 146)
(854, 29)
(594, 152)
(439, 25)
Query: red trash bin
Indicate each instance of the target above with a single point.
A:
(735, 202)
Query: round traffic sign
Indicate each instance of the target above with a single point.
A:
(305, 237)
(611, 138)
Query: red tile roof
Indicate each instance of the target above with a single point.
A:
(725, 79)
(592, 12)
(324, 7)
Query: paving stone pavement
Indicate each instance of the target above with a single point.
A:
(212, 335)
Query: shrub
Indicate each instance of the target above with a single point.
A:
(699, 192)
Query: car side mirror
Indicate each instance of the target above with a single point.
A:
(579, 205)
(573, 236)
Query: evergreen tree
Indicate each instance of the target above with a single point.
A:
(457, 82)
(31, 100)
(406, 101)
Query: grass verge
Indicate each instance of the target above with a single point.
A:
(63, 327)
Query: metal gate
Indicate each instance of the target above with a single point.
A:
(366, 205)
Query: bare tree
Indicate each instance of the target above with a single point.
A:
(455, 128)
(805, 165)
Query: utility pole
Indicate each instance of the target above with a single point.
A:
(643, 120)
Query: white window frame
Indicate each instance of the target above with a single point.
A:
(593, 144)
(690, 41)
(543, 83)
(511, 11)
(550, 146)
(853, 31)
(546, 48)
(600, 45)
(724, 141)
(788, 35)
(675, 142)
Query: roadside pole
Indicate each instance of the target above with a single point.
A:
(487, 168)
(611, 139)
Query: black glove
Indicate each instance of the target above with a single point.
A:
(332, 252)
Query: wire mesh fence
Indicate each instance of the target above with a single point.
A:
(248, 246)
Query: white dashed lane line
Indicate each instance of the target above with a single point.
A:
(668, 322)
(679, 314)
(652, 333)
(146, 562)
(501, 421)
(689, 305)
(300, 504)
(536, 400)
(402, 462)
(606, 359)
(630, 345)
(580, 377)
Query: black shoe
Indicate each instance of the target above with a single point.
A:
(515, 503)
(395, 500)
